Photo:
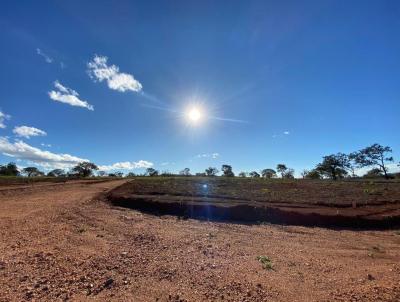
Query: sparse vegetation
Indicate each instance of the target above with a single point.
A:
(265, 262)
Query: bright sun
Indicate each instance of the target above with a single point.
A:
(194, 115)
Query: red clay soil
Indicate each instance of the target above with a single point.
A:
(355, 213)
(65, 243)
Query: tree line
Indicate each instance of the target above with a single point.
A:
(334, 166)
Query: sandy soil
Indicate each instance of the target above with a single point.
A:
(65, 243)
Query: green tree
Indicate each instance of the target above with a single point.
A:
(84, 169)
(288, 174)
(185, 172)
(313, 174)
(10, 169)
(211, 171)
(227, 171)
(151, 172)
(281, 168)
(254, 174)
(374, 155)
(56, 173)
(101, 173)
(374, 173)
(334, 166)
(242, 174)
(268, 173)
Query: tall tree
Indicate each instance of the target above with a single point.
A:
(227, 171)
(281, 168)
(56, 173)
(211, 171)
(185, 172)
(242, 174)
(32, 172)
(374, 155)
(151, 172)
(268, 173)
(254, 174)
(10, 169)
(84, 169)
(334, 166)
(289, 173)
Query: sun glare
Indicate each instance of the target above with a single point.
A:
(194, 115)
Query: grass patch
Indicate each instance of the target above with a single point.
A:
(265, 262)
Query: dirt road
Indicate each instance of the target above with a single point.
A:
(64, 243)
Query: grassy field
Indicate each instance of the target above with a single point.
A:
(356, 203)
(321, 192)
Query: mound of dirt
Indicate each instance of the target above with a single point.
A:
(356, 214)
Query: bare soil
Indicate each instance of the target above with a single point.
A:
(64, 242)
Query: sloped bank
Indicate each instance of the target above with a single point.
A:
(224, 208)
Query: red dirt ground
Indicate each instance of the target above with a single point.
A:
(64, 242)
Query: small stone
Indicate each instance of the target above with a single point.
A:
(108, 282)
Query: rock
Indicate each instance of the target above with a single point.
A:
(370, 277)
(109, 282)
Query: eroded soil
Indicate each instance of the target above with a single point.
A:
(65, 243)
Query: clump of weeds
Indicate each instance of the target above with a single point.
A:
(265, 262)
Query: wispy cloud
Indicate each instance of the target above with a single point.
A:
(99, 70)
(127, 165)
(68, 96)
(281, 134)
(27, 132)
(45, 56)
(214, 155)
(46, 145)
(3, 118)
(23, 151)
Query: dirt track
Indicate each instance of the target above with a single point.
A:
(60, 242)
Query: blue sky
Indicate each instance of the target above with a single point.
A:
(275, 82)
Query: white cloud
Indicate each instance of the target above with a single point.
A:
(46, 145)
(286, 132)
(3, 117)
(27, 132)
(127, 165)
(42, 54)
(69, 96)
(100, 71)
(23, 151)
(214, 155)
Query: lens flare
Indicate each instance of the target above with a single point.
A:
(194, 115)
